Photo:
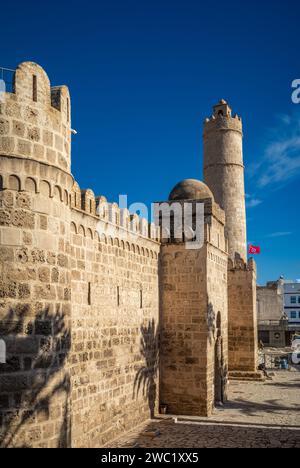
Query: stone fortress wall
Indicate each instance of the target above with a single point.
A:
(79, 287)
(115, 327)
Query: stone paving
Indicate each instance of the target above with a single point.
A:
(258, 415)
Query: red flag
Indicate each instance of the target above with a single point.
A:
(254, 250)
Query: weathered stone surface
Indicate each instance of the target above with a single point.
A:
(4, 127)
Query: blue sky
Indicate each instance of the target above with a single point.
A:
(144, 74)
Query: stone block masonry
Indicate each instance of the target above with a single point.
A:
(115, 332)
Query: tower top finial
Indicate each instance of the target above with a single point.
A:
(222, 109)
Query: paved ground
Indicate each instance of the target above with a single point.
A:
(258, 414)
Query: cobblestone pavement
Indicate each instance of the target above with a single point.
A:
(258, 414)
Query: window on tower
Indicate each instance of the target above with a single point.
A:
(34, 88)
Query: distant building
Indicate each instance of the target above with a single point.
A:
(272, 325)
(278, 310)
(291, 305)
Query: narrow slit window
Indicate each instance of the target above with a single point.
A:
(89, 294)
(141, 299)
(118, 295)
(34, 88)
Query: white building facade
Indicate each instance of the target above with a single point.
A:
(291, 303)
(278, 311)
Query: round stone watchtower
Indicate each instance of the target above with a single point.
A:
(224, 173)
(35, 255)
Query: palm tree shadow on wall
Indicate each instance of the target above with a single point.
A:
(211, 322)
(34, 375)
(145, 379)
(214, 327)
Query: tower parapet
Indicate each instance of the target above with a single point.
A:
(35, 119)
(224, 123)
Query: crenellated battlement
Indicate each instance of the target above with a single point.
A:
(35, 147)
(239, 264)
(35, 127)
(35, 119)
(222, 119)
(221, 122)
(111, 217)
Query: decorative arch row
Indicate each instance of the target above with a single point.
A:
(83, 200)
(215, 258)
(34, 185)
(113, 242)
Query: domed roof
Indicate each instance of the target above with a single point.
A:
(190, 189)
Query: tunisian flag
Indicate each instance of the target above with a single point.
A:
(254, 249)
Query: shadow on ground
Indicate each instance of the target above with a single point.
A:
(253, 409)
(215, 435)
